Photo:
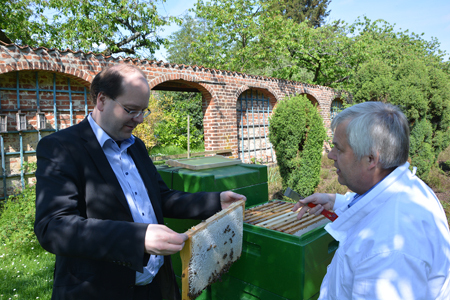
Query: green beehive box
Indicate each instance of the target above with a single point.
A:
(285, 265)
(273, 265)
(246, 179)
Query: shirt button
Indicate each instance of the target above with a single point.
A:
(143, 214)
(135, 193)
(126, 173)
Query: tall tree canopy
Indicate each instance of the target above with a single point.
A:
(113, 26)
(315, 11)
(182, 42)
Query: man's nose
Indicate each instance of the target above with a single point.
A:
(331, 154)
(139, 119)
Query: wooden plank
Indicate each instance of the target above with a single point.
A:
(295, 223)
(304, 224)
(259, 217)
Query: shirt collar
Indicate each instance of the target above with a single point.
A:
(358, 197)
(371, 202)
(103, 137)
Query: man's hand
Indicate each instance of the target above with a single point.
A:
(161, 240)
(322, 201)
(228, 197)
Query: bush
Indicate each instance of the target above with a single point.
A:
(297, 134)
(17, 219)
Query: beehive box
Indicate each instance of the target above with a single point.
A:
(247, 179)
(276, 265)
(273, 265)
(281, 265)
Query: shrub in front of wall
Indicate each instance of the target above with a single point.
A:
(297, 134)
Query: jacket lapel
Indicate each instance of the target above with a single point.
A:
(101, 162)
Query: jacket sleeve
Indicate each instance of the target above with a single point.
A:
(62, 225)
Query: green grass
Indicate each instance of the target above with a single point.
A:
(26, 270)
(26, 273)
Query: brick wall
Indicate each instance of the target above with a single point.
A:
(220, 90)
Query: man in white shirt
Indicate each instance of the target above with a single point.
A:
(100, 201)
(394, 240)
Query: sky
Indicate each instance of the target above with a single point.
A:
(431, 17)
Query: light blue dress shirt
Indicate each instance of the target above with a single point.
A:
(134, 189)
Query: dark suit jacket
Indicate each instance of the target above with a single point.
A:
(83, 217)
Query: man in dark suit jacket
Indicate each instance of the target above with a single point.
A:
(100, 201)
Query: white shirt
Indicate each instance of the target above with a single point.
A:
(134, 189)
(393, 244)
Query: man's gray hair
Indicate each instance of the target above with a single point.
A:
(376, 127)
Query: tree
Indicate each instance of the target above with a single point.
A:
(117, 26)
(182, 44)
(423, 92)
(232, 29)
(20, 21)
(315, 11)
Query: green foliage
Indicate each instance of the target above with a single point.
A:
(421, 152)
(17, 219)
(20, 21)
(182, 47)
(122, 26)
(29, 167)
(173, 129)
(315, 11)
(146, 130)
(422, 91)
(297, 134)
(232, 27)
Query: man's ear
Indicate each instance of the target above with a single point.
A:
(373, 160)
(101, 98)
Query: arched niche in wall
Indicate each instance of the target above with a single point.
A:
(34, 103)
(254, 107)
(189, 89)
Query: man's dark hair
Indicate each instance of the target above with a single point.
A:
(109, 81)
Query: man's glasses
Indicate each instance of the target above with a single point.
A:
(133, 113)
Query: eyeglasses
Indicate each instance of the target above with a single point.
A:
(133, 113)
